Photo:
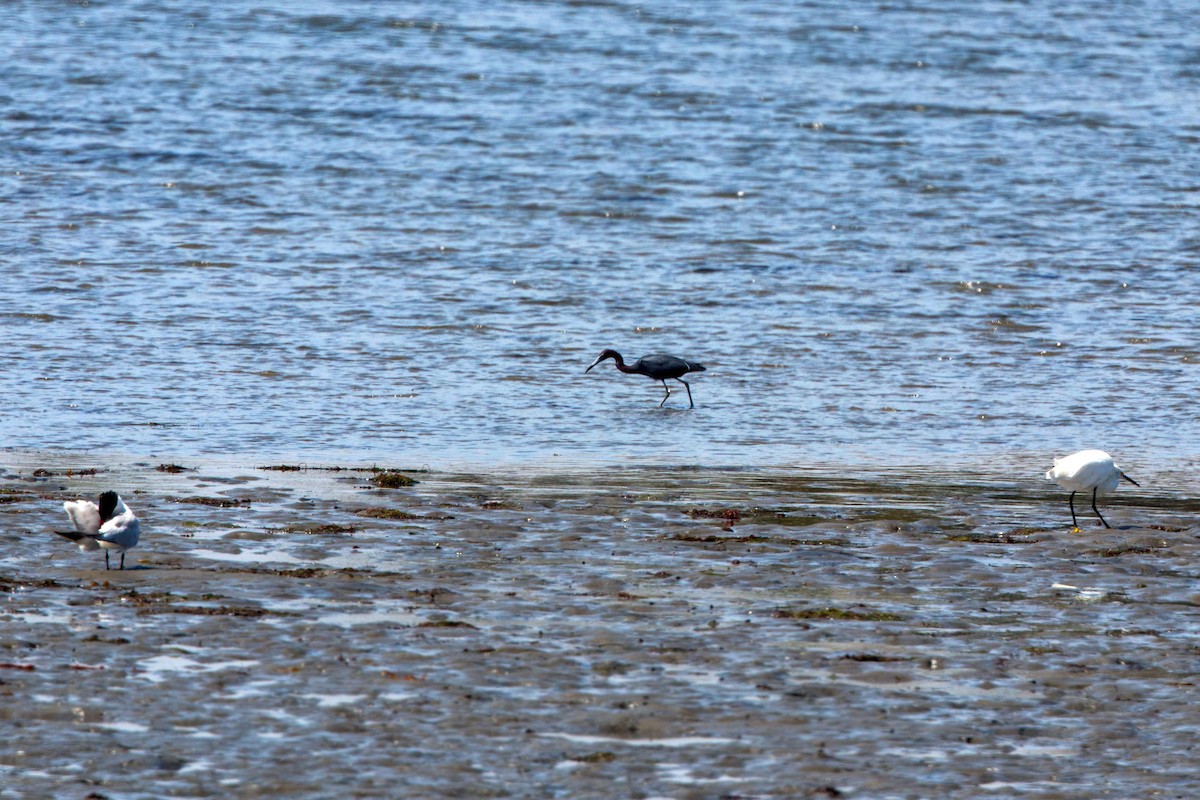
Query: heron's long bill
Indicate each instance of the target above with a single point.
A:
(1131, 480)
(594, 363)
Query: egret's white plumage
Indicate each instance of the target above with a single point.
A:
(1086, 470)
(107, 524)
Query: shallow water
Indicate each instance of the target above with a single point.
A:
(376, 231)
(625, 632)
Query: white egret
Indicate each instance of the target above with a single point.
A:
(1087, 469)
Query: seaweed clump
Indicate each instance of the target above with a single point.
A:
(214, 502)
(391, 480)
(387, 513)
(850, 615)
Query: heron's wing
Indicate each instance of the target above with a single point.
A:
(84, 514)
(663, 363)
(659, 366)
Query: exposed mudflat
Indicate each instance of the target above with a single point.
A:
(622, 633)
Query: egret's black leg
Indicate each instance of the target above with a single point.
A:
(1098, 514)
(122, 559)
(665, 396)
(689, 390)
(106, 558)
(1071, 502)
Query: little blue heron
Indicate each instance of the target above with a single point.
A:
(1087, 469)
(108, 524)
(659, 367)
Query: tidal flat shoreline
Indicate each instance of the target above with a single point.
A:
(647, 632)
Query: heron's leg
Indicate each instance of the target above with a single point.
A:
(689, 390)
(1071, 502)
(1098, 514)
(665, 396)
(106, 558)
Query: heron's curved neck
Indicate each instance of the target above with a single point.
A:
(619, 363)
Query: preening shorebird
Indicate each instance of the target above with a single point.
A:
(107, 524)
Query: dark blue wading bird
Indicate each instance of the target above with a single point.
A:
(659, 367)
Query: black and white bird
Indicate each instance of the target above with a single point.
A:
(107, 524)
(1087, 469)
(659, 367)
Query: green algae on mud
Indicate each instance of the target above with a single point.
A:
(318, 528)
(387, 513)
(1019, 536)
(851, 615)
(392, 480)
(712, 538)
(400, 514)
(211, 502)
(382, 477)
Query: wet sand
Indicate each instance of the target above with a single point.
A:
(651, 633)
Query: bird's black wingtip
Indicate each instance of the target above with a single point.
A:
(74, 536)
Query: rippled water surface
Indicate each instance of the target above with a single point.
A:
(382, 230)
(922, 248)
